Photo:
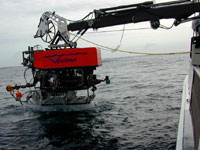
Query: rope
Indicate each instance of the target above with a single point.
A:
(130, 52)
(124, 51)
(120, 43)
(118, 30)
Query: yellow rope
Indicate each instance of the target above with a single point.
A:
(123, 51)
(130, 52)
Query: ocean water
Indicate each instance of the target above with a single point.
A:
(139, 110)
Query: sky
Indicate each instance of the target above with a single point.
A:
(20, 18)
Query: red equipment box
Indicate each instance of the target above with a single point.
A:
(66, 58)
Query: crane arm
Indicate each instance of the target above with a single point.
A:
(136, 13)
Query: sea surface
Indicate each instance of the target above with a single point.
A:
(139, 110)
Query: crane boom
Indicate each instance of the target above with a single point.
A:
(134, 13)
(137, 13)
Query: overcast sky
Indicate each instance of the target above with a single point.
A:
(20, 18)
